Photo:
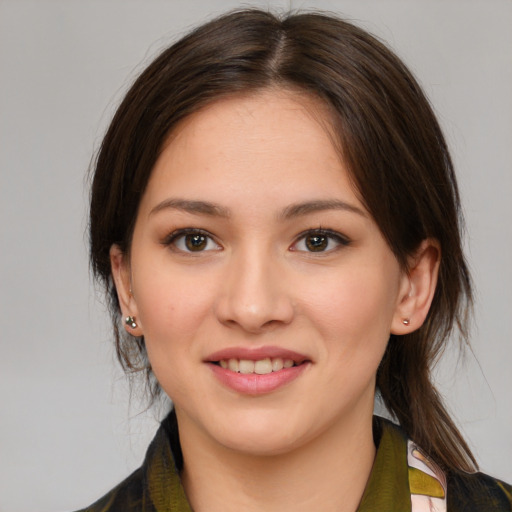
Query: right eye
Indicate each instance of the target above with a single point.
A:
(192, 240)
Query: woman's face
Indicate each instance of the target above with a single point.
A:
(252, 252)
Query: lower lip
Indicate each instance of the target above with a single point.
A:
(254, 384)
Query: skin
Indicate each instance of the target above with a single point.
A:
(308, 444)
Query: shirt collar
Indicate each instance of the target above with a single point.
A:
(387, 489)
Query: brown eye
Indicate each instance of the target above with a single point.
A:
(191, 240)
(196, 242)
(316, 243)
(320, 240)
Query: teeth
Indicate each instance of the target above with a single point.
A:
(277, 364)
(263, 367)
(233, 365)
(260, 367)
(246, 366)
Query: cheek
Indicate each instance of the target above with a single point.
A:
(174, 315)
(172, 305)
(356, 308)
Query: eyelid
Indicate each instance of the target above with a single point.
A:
(339, 238)
(171, 238)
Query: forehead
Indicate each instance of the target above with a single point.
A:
(266, 142)
(247, 113)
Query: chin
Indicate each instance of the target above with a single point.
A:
(260, 444)
(262, 434)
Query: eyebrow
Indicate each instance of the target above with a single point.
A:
(290, 212)
(299, 209)
(194, 207)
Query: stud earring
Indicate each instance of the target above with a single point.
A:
(130, 320)
(406, 321)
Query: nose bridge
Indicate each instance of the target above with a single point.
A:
(255, 295)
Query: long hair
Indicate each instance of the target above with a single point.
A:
(387, 136)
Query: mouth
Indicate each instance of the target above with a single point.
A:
(257, 371)
(258, 367)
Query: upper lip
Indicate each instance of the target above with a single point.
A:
(256, 354)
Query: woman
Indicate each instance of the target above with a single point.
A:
(276, 220)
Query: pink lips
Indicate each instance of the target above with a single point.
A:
(254, 354)
(254, 384)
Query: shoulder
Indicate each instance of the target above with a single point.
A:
(477, 492)
(127, 496)
(156, 485)
(465, 492)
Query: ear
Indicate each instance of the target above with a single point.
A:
(417, 288)
(121, 273)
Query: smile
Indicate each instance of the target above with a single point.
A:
(257, 371)
(259, 367)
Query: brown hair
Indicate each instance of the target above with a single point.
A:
(390, 140)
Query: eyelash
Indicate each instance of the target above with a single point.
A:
(338, 238)
(171, 239)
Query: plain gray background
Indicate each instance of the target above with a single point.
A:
(67, 434)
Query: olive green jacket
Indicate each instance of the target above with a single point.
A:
(399, 482)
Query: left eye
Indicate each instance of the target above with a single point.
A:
(194, 241)
(319, 241)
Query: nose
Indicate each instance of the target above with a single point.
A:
(255, 294)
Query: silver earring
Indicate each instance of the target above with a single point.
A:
(130, 320)
(406, 321)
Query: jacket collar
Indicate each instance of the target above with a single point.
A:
(387, 489)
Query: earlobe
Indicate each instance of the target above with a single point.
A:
(417, 288)
(121, 275)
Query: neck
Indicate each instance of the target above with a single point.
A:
(328, 473)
